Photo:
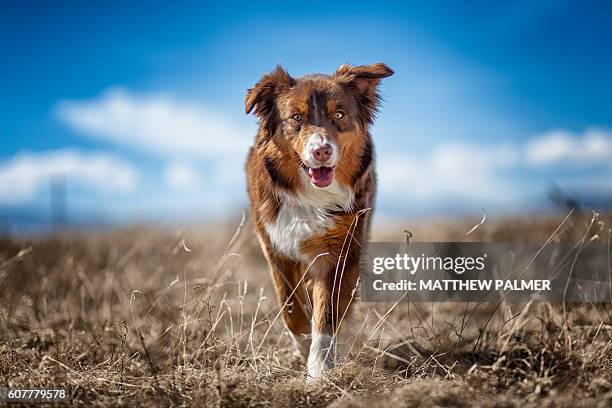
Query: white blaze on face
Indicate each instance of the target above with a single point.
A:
(316, 140)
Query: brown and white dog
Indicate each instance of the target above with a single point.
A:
(311, 184)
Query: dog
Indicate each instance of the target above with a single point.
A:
(311, 186)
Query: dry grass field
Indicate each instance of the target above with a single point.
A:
(160, 317)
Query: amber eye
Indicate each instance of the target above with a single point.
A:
(338, 115)
(297, 117)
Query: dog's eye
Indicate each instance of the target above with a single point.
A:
(338, 115)
(297, 117)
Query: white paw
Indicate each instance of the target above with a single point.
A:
(301, 343)
(321, 356)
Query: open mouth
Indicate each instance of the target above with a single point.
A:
(320, 176)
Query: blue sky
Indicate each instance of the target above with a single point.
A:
(140, 106)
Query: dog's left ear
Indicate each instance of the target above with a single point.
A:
(262, 96)
(363, 80)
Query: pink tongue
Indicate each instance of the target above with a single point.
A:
(322, 176)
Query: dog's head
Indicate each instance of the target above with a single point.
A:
(320, 120)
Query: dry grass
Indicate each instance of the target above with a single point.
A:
(145, 317)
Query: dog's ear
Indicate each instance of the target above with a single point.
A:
(263, 95)
(363, 80)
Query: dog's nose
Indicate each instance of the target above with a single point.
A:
(322, 152)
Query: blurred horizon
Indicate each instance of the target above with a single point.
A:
(120, 113)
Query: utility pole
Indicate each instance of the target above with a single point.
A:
(58, 200)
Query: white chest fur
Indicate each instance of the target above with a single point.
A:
(295, 224)
(306, 214)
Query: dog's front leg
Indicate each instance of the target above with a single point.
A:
(292, 295)
(333, 292)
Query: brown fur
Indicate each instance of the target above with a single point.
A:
(274, 170)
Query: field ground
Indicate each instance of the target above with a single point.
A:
(144, 317)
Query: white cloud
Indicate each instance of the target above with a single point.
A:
(157, 124)
(27, 173)
(450, 171)
(492, 175)
(181, 175)
(594, 146)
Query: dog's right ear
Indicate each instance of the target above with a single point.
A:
(363, 80)
(263, 95)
